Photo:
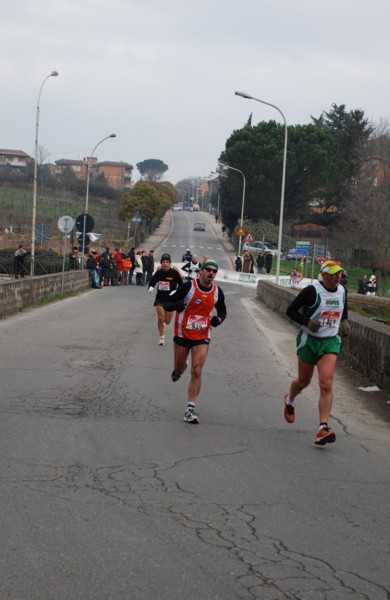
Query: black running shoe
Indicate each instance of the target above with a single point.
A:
(175, 376)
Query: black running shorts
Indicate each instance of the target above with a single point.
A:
(190, 343)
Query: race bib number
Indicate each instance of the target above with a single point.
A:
(330, 318)
(197, 323)
(164, 286)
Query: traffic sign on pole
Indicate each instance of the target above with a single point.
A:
(85, 223)
(249, 237)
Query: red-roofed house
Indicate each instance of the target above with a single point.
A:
(17, 159)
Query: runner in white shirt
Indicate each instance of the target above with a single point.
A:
(321, 311)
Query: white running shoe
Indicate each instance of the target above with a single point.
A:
(161, 341)
(190, 416)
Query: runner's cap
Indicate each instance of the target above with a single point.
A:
(166, 257)
(209, 263)
(331, 267)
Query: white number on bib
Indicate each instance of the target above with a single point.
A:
(330, 318)
(197, 323)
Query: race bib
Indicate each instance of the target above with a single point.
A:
(330, 318)
(164, 286)
(197, 323)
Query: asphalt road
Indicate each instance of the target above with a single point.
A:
(106, 494)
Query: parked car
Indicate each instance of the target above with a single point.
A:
(260, 247)
(96, 237)
(199, 226)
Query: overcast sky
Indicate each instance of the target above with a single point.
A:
(161, 74)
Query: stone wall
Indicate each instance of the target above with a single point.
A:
(367, 349)
(17, 294)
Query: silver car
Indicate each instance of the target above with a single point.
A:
(199, 226)
(260, 247)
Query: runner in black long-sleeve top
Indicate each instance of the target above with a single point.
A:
(167, 280)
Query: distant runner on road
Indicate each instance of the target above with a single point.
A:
(167, 280)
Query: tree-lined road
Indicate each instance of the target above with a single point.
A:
(107, 494)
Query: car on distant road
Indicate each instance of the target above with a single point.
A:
(177, 207)
(199, 226)
(260, 247)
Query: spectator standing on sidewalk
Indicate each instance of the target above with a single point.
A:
(132, 260)
(371, 286)
(74, 258)
(20, 255)
(362, 285)
(260, 263)
(268, 262)
(149, 266)
(238, 264)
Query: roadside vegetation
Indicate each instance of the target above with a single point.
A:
(337, 186)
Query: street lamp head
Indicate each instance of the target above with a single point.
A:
(244, 95)
(54, 74)
(112, 135)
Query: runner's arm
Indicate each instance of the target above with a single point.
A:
(306, 297)
(155, 278)
(345, 311)
(220, 306)
(176, 298)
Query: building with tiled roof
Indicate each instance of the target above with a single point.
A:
(17, 159)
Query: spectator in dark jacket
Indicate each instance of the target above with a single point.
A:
(132, 259)
(149, 266)
(362, 285)
(268, 262)
(74, 258)
(260, 263)
(144, 265)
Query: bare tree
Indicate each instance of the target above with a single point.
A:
(368, 215)
(43, 154)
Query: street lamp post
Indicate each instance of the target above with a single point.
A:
(243, 199)
(215, 176)
(188, 188)
(249, 97)
(112, 135)
(34, 206)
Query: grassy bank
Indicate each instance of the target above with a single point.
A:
(16, 211)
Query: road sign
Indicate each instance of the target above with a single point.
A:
(42, 233)
(87, 240)
(89, 223)
(65, 224)
(249, 237)
(303, 248)
(319, 250)
(240, 231)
